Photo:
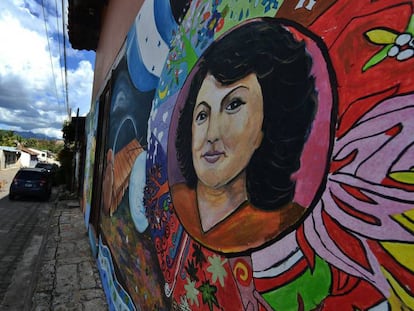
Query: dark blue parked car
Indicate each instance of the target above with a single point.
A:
(31, 182)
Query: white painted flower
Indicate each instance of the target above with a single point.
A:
(217, 270)
(403, 47)
(393, 51)
(191, 292)
(403, 39)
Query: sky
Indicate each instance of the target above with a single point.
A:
(32, 68)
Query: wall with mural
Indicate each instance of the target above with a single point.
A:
(259, 155)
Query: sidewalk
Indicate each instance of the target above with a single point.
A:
(68, 278)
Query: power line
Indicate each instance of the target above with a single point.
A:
(50, 53)
(60, 49)
(65, 60)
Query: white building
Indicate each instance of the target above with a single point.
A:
(28, 157)
(9, 157)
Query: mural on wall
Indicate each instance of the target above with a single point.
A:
(260, 157)
(123, 231)
(91, 130)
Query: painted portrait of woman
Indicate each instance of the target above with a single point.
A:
(240, 135)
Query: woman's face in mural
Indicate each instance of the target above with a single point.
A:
(233, 174)
(226, 128)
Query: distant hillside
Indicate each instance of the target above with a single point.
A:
(27, 135)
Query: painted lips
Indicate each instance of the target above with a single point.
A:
(212, 156)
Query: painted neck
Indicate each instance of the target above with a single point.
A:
(216, 204)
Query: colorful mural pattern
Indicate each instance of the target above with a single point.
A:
(355, 243)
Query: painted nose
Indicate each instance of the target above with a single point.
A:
(212, 141)
(213, 132)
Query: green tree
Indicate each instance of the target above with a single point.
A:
(9, 138)
(65, 155)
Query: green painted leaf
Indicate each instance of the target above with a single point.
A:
(377, 58)
(208, 294)
(410, 27)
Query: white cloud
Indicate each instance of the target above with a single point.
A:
(24, 55)
(30, 98)
(80, 87)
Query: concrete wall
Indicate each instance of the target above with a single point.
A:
(258, 155)
(24, 159)
(9, 157)
(2, 159)
(117, 19)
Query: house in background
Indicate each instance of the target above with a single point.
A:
(44, 156)
(20, 156)
(9, 157)
(28, 158)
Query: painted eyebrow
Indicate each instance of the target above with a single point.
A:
(204, 103)
(224, 101)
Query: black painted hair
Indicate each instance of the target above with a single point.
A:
(283, 68)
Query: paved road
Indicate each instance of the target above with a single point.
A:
(23, 225)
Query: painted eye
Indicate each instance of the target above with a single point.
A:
(201, 117)
(234, 105)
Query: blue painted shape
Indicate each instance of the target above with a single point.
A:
(92, 242)
(164, 20)
(142, 79)
(117, 297)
